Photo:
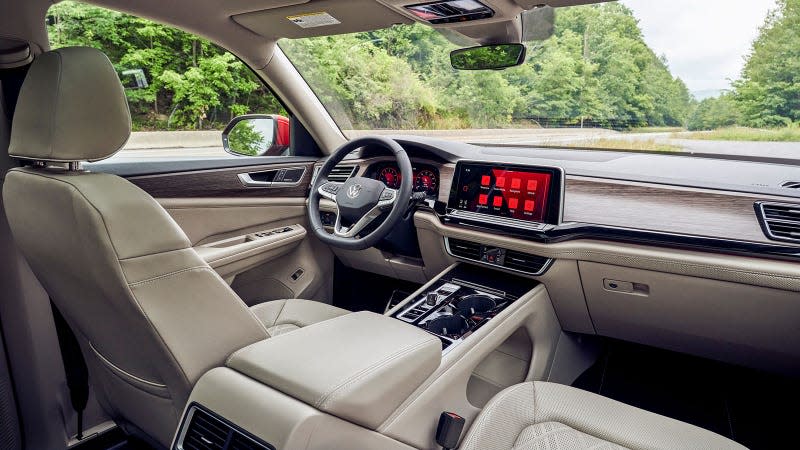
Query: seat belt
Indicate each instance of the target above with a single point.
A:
(74, 367)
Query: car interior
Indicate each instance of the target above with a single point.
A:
(384, 291)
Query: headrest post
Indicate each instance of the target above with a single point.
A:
(74, 166)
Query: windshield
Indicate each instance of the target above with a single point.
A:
(637, 75)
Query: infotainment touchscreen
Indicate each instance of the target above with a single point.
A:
(516, 192)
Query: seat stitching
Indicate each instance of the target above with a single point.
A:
(167, 275)
(325, 399)
(123, 371)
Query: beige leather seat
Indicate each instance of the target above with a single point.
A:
(150, 314)
(540, 415)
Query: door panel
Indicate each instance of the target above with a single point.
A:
(212, 205)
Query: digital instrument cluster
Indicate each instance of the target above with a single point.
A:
(426, 178)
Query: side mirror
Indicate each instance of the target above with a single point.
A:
(486, 57)
(256, 135)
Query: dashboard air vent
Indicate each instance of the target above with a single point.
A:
(341, 173)
(208, 432)
(465, 249)
(791, 184)
(780, 221)
(524, 262)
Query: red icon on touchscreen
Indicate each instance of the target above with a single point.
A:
(486, 180)
(516, 183)
(497, 201)
(513, 203)
(532, 185)
(500, 182)
(483, 199)
(529, 205)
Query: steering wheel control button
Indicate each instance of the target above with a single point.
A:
(387, 195)
(331, 188)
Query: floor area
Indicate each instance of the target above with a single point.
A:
(754, 408)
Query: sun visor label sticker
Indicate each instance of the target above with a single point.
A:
(313, 20)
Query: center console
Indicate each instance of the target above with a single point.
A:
(461, 301)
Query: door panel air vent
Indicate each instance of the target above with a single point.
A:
(465, 249)
(524, 262)
(341, 173)
(791, 184)
(205, 431)
(780, 221)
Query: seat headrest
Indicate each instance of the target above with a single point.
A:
(71, 107)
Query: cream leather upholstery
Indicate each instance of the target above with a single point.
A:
(74, 108)
(540, 415)
(359, 367)
(282, 316)
(150, 314)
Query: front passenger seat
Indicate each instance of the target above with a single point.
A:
(150, 314)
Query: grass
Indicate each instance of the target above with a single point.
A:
(648, 145)
(788, 134)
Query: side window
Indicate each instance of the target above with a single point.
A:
(175, 82)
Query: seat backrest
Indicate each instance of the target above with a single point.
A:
(151, 315)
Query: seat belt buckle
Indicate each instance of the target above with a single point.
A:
(449, 430)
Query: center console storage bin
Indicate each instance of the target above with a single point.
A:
(359, 367)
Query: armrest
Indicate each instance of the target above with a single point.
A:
(237, 254)
(359, 367)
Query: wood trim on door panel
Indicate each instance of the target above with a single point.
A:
(220, 183)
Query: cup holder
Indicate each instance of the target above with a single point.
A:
(450, 325)
(475, 304)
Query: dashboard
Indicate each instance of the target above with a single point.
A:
(426, 177)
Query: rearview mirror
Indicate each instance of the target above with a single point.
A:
(256, 135)
(486, 57)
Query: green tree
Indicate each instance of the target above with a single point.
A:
(768, 93)
(246, 140)
(716, 112)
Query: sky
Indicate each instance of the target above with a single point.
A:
(705, 41)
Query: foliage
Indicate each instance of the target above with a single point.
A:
(193, 84)
(715, 112)
(768, 94)
(785, 134)
(245, 139)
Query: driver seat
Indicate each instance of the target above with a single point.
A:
(151, 316)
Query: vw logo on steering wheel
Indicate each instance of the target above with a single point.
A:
(354, 191)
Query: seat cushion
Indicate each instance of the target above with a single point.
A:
(541, 415)
(282, 316)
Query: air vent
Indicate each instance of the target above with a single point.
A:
(499, 257)
(791, 184)
(524, 262)
(208, 432)
(341, 173)
(780, 221)
(465, 249)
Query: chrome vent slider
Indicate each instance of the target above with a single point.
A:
(779, 221)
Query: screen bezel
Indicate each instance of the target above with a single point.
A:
(555, 197)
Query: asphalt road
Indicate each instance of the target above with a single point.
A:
(170, 147)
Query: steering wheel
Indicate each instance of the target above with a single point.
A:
(360, 200)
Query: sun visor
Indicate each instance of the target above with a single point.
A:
(321, 18)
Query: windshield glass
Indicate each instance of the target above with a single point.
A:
(636, 75)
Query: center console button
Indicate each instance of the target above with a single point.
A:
(432, 299)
